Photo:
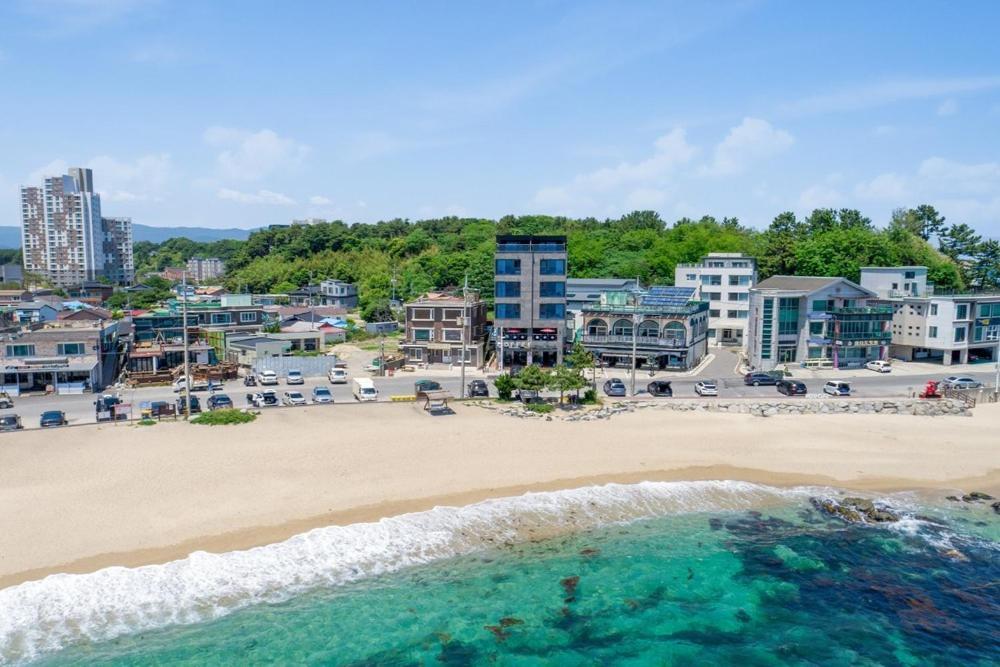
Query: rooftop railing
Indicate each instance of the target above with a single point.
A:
(531, 247)
(863, 310)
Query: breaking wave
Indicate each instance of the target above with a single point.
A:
(44, 616)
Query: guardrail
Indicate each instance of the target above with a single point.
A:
(964, 395)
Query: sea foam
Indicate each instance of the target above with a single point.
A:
(40, 617)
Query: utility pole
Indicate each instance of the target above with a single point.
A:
(381, 353)
(635, 337)
(465, 331)
(187, 368)
(500, 348)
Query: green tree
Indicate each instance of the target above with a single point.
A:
(985, 269)
(505, 386)
(532, 379)
(566, 378)
(959, 241)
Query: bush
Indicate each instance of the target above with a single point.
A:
(224, 417)
(540, 408)
(590, 397)
(505, 386)
(146, 422)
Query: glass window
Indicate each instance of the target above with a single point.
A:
(422, 314)
(816, 328)
(739, 296)
(248, 317)
(714, 312)
(20, 350)
(692, 276)
(552, 267)
(960, 334)
(508, 311)
(713, 296)
(551, 311)
(597, 328)
(221, 318)
(711, 280)
(508, 267)
(984, 310)
(453, 335)
(932, 332)
(788, 316)
(622, 328)
(910, 275)
(508, 288)
(933, 309)
(548, 289)
(421, 335)
(961, 311)
(822, 305)
(69, 349)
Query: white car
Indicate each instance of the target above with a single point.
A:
(961, 382)
(294, 398)
(337, 376)
(706, 388)
(321, 395)
(879, 366)
(267, 378)
(196, 385)
(294, 377)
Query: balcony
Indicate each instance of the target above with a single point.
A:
(876, 337)
(642, 341)
(530, 247)
(864, 310)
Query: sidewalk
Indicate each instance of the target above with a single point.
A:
(899, 368)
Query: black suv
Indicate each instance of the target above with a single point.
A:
(791, 388)
(659, 388)
(219, 402)
(195, 405)
(757, 379)
(478, 388)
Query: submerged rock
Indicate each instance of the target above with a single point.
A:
(856, 510)
(976, 496)
(996, 507)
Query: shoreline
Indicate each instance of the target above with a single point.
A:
(367, 491)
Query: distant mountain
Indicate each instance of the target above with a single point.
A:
(10, 237)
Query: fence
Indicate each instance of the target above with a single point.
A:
(309, 366)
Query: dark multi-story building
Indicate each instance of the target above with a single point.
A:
(529, 293)
(436, 326)
(167, 324)
(666, 326)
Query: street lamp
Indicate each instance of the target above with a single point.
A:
(636, 319)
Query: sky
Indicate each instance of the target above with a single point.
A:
(243, 114)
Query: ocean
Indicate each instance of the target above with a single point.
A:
(686, 573)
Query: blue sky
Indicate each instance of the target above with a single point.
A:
(230, 114)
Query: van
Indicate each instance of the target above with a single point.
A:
(837, 388)
(337, 376)
(364, 390)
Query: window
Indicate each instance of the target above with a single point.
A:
(597, 328)
(932, 332)
(549, 289)
(507, 288)
(551, 311)
(713, 296)
(960, 334)
(736, 314)
(421, 335)
(910, 275)
(508, 311)
(675, 331)
(70, 349)
(648, 329)
(422, 314)
(508, 267)
(962, 311)
(739, 296)
(221, 318)
(452, 335)
(552, 267)
(739, 280)
(691, 276)
(452, 314)
(766, 329)
(933, 309)
(711, 280)
(822, 305)
(714, 312)
(815, 328)
(788, 316)
(20, 350)
(622, 328)
(984, 310)
(248, 317)
(415, 353)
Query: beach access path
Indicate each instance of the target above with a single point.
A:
(79, 499)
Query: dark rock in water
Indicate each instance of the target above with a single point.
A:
(976, 496)
(996, 507)
(953, 499)
(589, 552)
(742, 616)
(498, 633)
(508, 621)
(855, 510)
(569, 585)
(715, 524)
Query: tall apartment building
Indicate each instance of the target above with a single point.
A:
(64, 237)
(724, 280)
(826, 322)
(949, 328)
(200, 270)
(529, 293)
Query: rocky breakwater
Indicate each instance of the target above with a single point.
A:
(855, 510)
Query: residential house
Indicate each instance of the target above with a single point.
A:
(32, 312)
(338, 293)
(723, 279)
(69, 356)
(438, 325)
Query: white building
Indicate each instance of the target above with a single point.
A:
(201, 270)
(339, 293)
(724, 280)
(64, 237)
(931, 326)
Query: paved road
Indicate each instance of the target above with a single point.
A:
(80, 409)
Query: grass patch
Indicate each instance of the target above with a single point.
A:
(146, 422)
(540, 408)
(224, 417)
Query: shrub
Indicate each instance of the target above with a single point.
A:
(146, 422)
(505, 386)
(540, 408)
(590, 397)
(224, 417)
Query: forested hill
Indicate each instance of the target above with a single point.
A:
(436, 254)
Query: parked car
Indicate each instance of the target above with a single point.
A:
(156, 409)
(249, 381)
(10, 423)
(321, 395)
(219, 402)
(879, 366)
(614, 387)
(837, 388)
(263, 399)
(961, 382)
(52, 418)
(420, 387)
(364, 390)
(337, 376)
(215, 385)
(659, 388)
(265, 378)
(293, 398)
(195, 405)
(478, 388)
(757, 379)
(791, 388)
(706, 388)
(104, 407)
(6, 401)
(196, 384)
(294, 377)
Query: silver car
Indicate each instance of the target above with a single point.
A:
(961, 382)
(706, 388)
(294, 398)
(321, 395)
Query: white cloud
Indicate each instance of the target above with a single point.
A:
(888, 92)
(820, 196)
(250, 156)
(959, 178)
(636, 179)
(56, 167)
(884, 187)
(320, 200)
(947, 108)
(139, 180)
(259, 197)
(646, 199)
(753, 139)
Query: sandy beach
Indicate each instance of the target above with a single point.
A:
(79, 499)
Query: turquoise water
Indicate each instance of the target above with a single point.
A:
(779, 585)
